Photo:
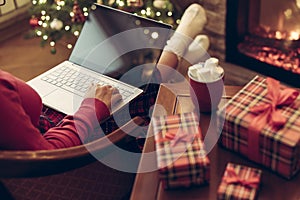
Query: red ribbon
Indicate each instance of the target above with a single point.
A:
(233, 178)
(178, 135)
(267, 113)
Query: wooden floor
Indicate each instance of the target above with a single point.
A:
(25, 58)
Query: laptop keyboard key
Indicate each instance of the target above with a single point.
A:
(78, 82)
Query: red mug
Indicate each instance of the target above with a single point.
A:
(206, 96)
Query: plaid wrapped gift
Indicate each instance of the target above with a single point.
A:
(239, 182)
(181, 157)
(262, 122)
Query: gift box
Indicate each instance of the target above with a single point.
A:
(181, 157)
(239, 183)
(262, 122)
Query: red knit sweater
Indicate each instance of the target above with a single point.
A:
(20, 107)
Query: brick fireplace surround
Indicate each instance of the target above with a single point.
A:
(216, 26)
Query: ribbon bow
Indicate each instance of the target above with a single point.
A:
(177, 136)
(267, 113)
(233, 178)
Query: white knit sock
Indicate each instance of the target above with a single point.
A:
(178, 44)
(197, 51)
(192, 21)
(191, 24)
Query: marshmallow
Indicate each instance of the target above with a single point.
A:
(206, 72)
(193, 70)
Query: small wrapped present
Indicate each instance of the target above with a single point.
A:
(181, 157)
(262, 122)
(239, 182)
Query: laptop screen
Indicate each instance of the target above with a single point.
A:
(120, 44)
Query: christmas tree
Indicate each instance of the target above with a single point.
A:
(57, 20)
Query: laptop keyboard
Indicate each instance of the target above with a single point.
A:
(78, 82)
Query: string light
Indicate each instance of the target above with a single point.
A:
(61, 3)
(45, 26)
(85, 11)
(146, 31)
(45, 37)
(67, 28)
(39, 33)
(120, 3)
(148, 11)
(154, 35)
(76, 33)
(137, 22)
(42, 1)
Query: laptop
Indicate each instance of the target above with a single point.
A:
(115, 48)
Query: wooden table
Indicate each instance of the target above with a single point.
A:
(174, 98)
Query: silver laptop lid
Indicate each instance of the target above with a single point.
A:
(121, 45)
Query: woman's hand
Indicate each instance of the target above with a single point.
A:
(106, 93)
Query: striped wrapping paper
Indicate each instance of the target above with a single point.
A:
(181, 157)
(278, 148)
(239, 183)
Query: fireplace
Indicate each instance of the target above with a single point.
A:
(264, 35)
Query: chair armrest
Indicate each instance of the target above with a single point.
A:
(32, 163)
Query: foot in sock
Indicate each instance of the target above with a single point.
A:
(195, 53)
(197, 50)
(191, 24)
(192, 21)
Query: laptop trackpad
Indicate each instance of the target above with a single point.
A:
(63, 101)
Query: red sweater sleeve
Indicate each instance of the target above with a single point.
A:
(75, 130)
(18, 131)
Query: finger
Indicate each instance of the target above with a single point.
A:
(108, 86)
(116, 98)
(115, 90)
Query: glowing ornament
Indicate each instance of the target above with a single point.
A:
(60, 2)
(160, 4)
(56, 24)
(111, 2)
(53, 50)
(135, 3)
(34, 22)
(78, 16)
(169, 20)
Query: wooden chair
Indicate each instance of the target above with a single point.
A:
(70, 173)
(17, 164)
